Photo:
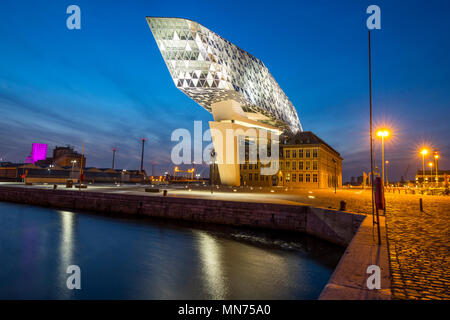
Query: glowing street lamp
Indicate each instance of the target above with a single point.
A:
(383, 134)
(430, 164)
(423, 152)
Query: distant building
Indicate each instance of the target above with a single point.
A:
(64, 157)
(55, 174)
(305, 161)
(38, 152)
(430, 177)
(356, 181)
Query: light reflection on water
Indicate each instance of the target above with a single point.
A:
(213, 268)
(141, 259)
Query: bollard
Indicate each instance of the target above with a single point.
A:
(343, 204)
(165, 193)
(421, 205)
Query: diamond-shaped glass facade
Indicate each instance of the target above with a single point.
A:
(209, 69)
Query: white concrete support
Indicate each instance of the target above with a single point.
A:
(230, 126)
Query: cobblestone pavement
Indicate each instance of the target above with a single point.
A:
(418, 241)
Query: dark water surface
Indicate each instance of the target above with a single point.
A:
(144, 259)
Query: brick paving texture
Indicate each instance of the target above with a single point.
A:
(418, 241)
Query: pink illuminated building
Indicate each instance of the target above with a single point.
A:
(38, 152)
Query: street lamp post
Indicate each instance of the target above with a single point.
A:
(49, 168)
(114, 155)
(73, 164)
(335, 175)
(382, 134)
(430, 164)
(436, 159)
(213, 156)
(142, 154)
(424, 151)
(387, 180)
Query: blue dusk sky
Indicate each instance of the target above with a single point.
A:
(107, 85)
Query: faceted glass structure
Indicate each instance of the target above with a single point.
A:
(210, 69)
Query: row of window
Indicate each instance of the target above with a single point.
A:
(289, 165)
(307, 177)
(289, 177)
(257, 177)
(301, 152)
(250, 166)
(302, 165)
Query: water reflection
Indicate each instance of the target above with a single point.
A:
(212, 264)
(144, 259)
(67, 221)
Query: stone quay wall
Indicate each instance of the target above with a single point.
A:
(334, 226)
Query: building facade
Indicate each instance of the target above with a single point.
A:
(64, 157)
(442, 178)
(306, 161)
(38, 152)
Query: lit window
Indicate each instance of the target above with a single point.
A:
(288, 177)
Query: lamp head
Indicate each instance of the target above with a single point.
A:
(383, 133)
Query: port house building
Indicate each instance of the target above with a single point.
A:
(240, 93)
(306, 161)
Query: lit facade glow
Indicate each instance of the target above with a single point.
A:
(38, 152)
(210, 69)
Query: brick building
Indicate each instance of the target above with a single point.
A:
(306, 161)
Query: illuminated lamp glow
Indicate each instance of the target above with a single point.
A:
(38, 152)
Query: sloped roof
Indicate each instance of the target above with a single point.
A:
(305, 137)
